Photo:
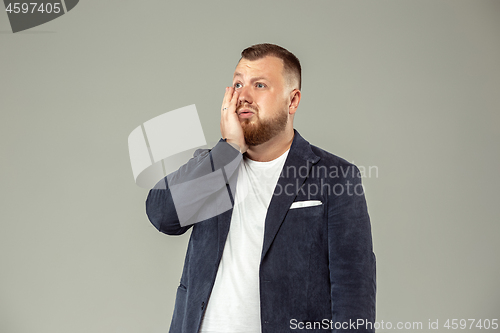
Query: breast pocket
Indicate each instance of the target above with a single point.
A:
(305, 217)
(302, 237)
(305, 203)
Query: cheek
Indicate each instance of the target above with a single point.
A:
(270, 102)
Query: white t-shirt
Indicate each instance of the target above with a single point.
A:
(234, 305)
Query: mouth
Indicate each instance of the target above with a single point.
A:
(245, 113)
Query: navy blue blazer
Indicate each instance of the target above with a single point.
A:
(317, 267)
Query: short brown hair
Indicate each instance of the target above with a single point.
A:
(291, 64)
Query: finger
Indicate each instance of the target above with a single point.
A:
(224, 108)
(227, 98)
(223, 101)
(234, 99)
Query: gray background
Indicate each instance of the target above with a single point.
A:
(412, 87)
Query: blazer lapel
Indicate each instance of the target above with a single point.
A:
(295, 171)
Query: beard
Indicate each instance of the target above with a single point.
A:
(257, 131)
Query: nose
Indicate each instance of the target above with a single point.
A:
(245, 96)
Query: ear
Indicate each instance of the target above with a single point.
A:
(294, 101)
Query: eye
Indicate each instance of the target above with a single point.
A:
(260, 85)
(237, 85)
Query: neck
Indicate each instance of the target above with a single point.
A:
(273, 148)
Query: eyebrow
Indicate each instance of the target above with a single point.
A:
(253, 79)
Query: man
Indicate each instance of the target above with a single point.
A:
(294, 249)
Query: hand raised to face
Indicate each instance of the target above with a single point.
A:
(230, 126)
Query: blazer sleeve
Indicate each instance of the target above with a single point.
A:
(351, 258)
(196, 191)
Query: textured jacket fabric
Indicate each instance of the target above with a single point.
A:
(317, 266)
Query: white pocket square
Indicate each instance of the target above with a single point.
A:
(308, 203)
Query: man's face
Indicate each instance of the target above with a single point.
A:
(263, 101)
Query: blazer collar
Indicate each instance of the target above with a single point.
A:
(295, 171)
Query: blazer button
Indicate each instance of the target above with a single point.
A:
(202, 305)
